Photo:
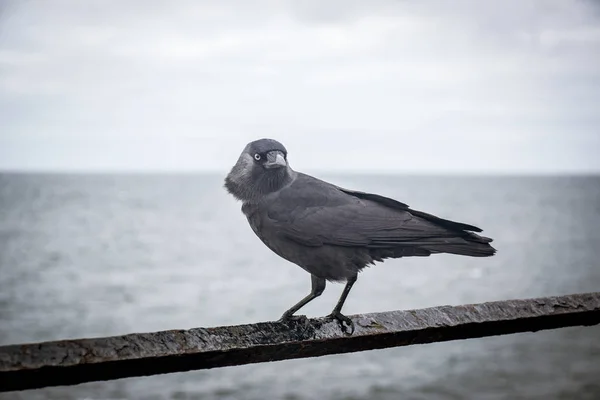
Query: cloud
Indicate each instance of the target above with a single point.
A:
(505, 85)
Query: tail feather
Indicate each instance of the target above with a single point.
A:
(466, 243)
(472, 245)
(468, 249)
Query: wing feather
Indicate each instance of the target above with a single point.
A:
(313, 212)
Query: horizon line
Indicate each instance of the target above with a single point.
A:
(457, 173)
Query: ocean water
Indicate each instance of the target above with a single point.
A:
(97, 255)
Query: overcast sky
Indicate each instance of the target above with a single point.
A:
(406, 86)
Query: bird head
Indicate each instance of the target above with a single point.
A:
(262, 168)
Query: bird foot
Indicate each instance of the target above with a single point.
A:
(290, 317)
(341, 319)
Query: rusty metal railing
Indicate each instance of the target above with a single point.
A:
(70, 362)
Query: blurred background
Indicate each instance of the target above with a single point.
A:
(120, 119)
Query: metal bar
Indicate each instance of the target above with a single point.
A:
(70, 362)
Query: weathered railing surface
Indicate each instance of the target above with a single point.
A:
(70, 362)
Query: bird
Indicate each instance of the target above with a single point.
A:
(331, 232)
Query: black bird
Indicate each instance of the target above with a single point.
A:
(332, 232)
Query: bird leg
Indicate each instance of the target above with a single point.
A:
(318, 286)
(337, 314)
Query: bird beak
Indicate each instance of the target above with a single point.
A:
(275, 159)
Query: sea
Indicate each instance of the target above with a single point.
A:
(89, 255)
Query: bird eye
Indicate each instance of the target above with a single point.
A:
(257, 157)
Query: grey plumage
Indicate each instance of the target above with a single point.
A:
(332, 232)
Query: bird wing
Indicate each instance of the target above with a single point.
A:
(386, 201)
(313, 212)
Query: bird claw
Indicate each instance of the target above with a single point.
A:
(341, 318)
(290, 317)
